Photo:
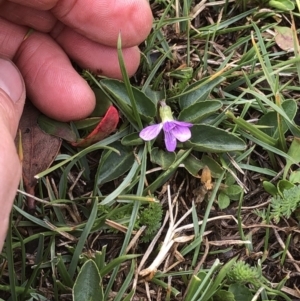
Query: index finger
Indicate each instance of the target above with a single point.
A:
(100, 21)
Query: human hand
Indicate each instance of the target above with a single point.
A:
(85, 31)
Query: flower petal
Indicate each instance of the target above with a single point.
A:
(170, 142)
(181, 133)
(168, 126)
(182, 123)
(150, 132)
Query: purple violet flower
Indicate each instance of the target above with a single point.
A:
(173, 130)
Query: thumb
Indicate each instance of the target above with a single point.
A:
(12, 95)
(12, 98)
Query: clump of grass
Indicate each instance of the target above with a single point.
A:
(217, 64)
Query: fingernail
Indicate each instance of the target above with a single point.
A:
(11, 81)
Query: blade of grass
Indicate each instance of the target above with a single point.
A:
(126, 80)
(10, 262)
(81, 242)
(264, 59)
(141, 156)
(196, 233)
(126, 283)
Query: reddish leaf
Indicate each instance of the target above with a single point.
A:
(106, 126)
(39, 149)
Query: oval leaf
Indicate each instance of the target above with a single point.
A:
(88, 285)
(206, 138)
(233, 192)
(154, 95)
(198, 92)
(193, 165)
(223, 200)
(56, 128)
(115, 165)
(200, 110)
(117, 89)
(241, 292)
(161, 158)
(284, 185)
(270, 188)
(132, 139)
(271, 121)
(214, 167)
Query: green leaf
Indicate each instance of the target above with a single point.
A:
(283, 185)
(56, 128)
(199, 111)
(114, 165)
(165, 176)
(295, 177)
(87, 123)
(233, 191)
(102, 103)
(284, 5)
(132, 139)
(223, 295)
(88, 285)
(206, 138)
(271, 122)
(270, 188)
(162, 158)
(198, 92)
(229, 180)
(155, 96)
(294, 153)
(193, 165)
(214, 167)
(223, 200)
(240, 292)
(145, 106)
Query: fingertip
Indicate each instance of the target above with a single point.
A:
(99, 58)
(53, 85)
(75, 105)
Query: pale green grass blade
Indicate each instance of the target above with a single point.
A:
(126, 80)
(82, 240)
